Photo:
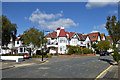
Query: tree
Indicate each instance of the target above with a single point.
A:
(103, 45)
(33, 37)
(9, 30)
(113, 27)
(94, 45)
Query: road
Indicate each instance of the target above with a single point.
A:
(75, 67)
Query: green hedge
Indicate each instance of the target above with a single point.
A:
(40, 56)
(87, 51)
(73, 50)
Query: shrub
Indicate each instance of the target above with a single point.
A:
(73, 50)
(87, 51)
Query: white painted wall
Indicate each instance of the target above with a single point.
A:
(88, 41)
(23, 50)
(17, 45)
(62, 42)
(98, 39)
(52, 50)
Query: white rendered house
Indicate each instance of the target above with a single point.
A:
(57, 40)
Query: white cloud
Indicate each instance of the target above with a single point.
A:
(100, 3)
(113, 12)
(94, 31)
(99, 27)
(51, 21)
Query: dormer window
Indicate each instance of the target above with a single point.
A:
(94, 36)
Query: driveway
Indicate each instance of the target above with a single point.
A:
(74, 67)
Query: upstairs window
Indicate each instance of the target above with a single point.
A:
(94, 36)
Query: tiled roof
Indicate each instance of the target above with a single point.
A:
(108, 38)
(62, 33)
(48, 35)
(19, 35)
(52, 35)
(101, 35)
(85, 36)
(93, 36)
(71, 34)
(18, 38)
(81, 36)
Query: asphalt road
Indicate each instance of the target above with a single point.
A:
(76, 67)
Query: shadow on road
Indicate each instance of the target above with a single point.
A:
(108, 61)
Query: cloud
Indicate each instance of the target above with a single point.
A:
(100, 3)
(100, 27)
(51, 21)
(113, 12)
(94, 31)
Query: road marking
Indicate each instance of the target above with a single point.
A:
(45, 62)
(44, 68)
(103, 72)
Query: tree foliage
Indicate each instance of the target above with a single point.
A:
(113, 27)
(94, 46)
(103, 45)
(87, 51)
(9, 30)
(33, 36)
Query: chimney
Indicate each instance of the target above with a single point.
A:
(82, 33)
(62, 27)
(58, 31)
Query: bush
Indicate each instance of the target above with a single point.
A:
(116, 56)
(40, 56)
(48, 55)
(87, 51)
(73, 50)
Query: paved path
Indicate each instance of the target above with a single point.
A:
(77, 67)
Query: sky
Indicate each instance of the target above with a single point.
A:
(80, 17)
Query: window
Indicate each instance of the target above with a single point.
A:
(81, 42)
(94, 36)
(21, 49)
(17, 42)
(61, 48)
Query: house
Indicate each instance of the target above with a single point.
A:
(94, 37)
(19, 45)
(7, 48)
(57, 40)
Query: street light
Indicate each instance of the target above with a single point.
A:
(42, 43)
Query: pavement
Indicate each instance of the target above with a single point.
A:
(26, 62)
(74, 67)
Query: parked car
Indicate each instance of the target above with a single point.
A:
(26, 56)
(102, 54)
(105, 53)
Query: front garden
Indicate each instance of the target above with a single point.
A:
(76, 50)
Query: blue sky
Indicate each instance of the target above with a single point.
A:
(81, 17)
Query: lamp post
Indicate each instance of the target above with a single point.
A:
(42, 42)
